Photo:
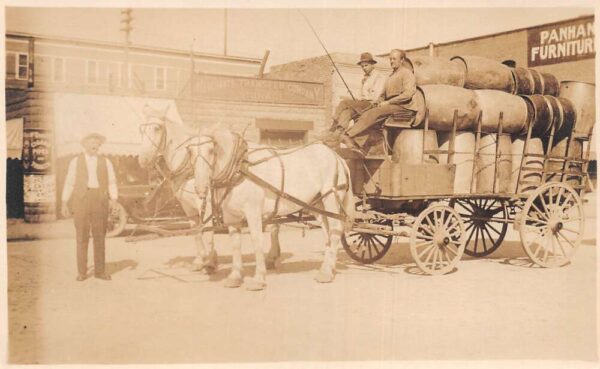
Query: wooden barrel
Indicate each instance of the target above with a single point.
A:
(442, 101)
(39, 182)
(463, 158)
(515, 117)
(524, 83)
(564, 117)
(531, 178)
(551, 84)
(540, 115)
(568, 149)
(434, 70)
(486, 74)
(408, 147)
(583, 97)
(538, 82)
(488, 178)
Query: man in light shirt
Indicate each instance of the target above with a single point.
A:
(89, 185)
(371, 87)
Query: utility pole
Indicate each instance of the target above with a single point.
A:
(127, 28)
(126, 24)
(225, 33)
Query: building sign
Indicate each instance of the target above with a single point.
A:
(563, 42)
(36, 151)
(257, 90)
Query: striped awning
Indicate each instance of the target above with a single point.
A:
(115, 117)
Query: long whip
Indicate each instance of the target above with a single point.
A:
(327, 52)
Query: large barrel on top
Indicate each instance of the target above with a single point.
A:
(514, 111)
(530, 82)
(410, 145)
(442, 101)
(583, 97)
(564, 117)
(526, 169)
(434, 70)
(493, 176)
(463, 158)
(486, 74)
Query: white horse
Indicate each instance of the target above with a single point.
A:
(163, 135)
(311, 176)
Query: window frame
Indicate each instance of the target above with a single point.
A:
(63, 69)
(164, 78)
(96, 71)
(18, 66)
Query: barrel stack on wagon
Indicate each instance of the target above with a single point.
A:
(485, 140)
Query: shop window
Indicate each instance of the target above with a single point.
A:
(58, 70)
(282, 139)
(22, 66)
(91, 74)
(160, 82)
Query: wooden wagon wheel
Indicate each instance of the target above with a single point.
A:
(117, 219)
(367, 248)
(551, 225)
(485, 224)
(437, 240)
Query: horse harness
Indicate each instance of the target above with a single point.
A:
(238, 168)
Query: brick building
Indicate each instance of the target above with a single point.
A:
(59, 88)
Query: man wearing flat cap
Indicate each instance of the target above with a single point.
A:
(89, 185)
(372, 85)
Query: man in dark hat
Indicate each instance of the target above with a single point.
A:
(397, 96)
(89, 185)
(372, 85)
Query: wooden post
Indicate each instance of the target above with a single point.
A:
(525, 151)
(498, 134)
(452, 139)
(476, 152)
(263, 63)
(424, 135)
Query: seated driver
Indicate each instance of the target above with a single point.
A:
(397, 96)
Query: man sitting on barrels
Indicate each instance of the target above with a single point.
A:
(371, 88)
(397, 97)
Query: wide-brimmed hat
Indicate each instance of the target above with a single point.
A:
(93, 135)
(366, 58)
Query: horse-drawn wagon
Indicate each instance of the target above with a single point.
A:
(456, 188)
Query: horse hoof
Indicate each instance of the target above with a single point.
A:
(196, 267)
(209, 269)
(270, 264)
(324, 277)
(233, 282)
(253, 285)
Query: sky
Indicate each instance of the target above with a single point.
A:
(283, 31)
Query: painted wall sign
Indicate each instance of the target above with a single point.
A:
(37, 152)
(562, 42)
(257, 90)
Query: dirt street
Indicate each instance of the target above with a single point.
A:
(156, 311)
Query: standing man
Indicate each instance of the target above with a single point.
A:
(89, 184)
(371, 88)
(396, 96)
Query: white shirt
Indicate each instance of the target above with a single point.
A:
(372, 86)
(92, 167)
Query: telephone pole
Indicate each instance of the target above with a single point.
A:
(126, 24)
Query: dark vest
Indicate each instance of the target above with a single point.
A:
(81, 177)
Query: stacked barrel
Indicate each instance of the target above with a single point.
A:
(492, 108)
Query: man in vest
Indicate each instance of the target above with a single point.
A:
(89, 185)
(396, 97)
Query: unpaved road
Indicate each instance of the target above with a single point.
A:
(156, 311)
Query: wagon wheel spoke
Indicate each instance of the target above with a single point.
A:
(440, 254)
(561, 207)
(367, 247)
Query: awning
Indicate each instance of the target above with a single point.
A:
(14, 138)
(116, 117)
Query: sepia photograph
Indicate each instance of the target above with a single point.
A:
(300, 184)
